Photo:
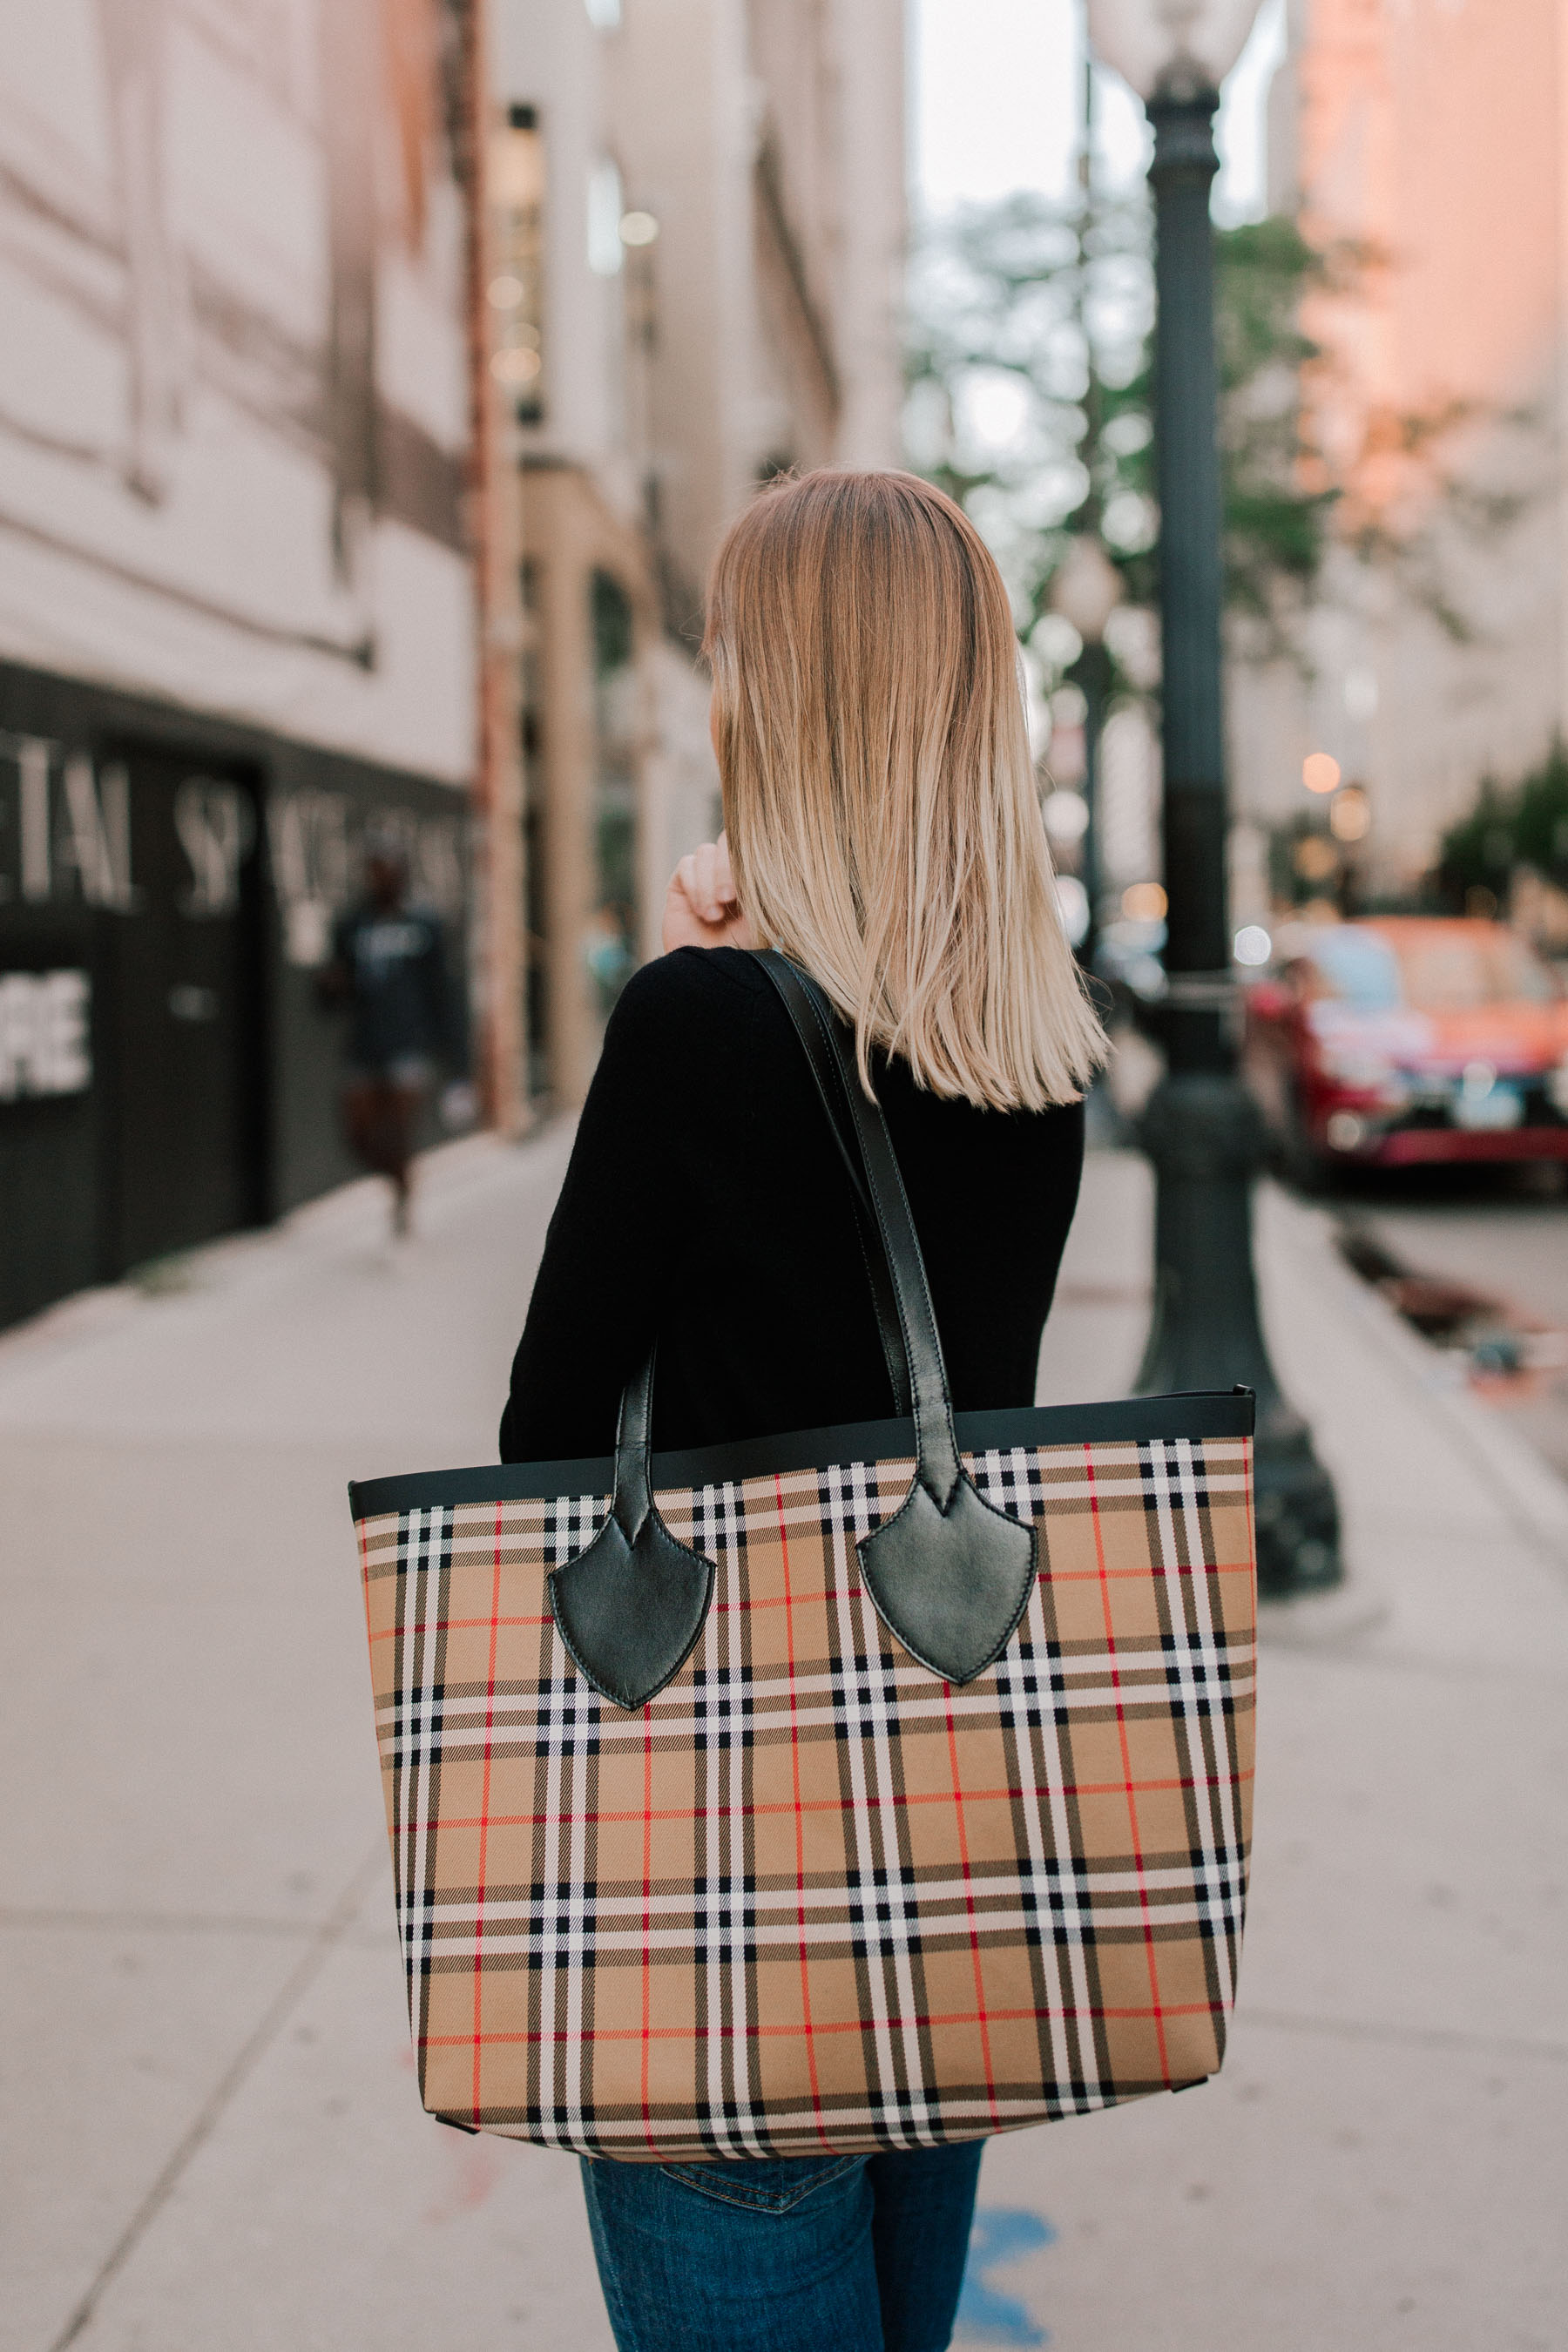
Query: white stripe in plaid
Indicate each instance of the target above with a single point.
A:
(812, 1897)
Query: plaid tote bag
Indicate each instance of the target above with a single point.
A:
(862, 1788)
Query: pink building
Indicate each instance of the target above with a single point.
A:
(1425, 138)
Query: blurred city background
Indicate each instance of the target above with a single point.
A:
(378, 379)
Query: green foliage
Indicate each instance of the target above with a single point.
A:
(1524, 825)
(1509, 826)
(1030, 376)
(1275, 528)
(1478, 853)
(1540, 820)
(1003, 407)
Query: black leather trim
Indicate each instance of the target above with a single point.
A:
(814, 1030)
(631, 1611)
(952, 1584)
(630, 1607)
(1121, 1421)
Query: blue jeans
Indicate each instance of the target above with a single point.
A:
(837, 2253)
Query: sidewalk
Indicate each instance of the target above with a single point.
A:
(211, 2141)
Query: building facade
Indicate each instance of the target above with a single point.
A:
(1424, 143)
(236, 611)
(699, 286)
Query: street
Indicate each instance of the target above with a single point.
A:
(210, 2134)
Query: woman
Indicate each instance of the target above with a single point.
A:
(882, 828)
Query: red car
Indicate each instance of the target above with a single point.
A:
(1411, 1038)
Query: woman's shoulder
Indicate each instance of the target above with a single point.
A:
(683, 1018)
(690, 986)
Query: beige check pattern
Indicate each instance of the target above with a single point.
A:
(812, 1897)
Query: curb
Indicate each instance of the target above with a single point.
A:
(1528, 1494)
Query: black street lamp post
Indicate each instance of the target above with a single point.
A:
(1086, 591)
(1201, 1128)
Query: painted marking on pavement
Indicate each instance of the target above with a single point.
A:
(1001, 2234)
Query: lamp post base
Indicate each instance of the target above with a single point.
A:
(1201, 1130)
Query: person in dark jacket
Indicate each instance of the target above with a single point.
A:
(883, 830)
(389, 967)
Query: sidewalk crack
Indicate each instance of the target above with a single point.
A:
(298, 1980)
(1422, 2037)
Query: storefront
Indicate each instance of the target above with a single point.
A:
(167, 890)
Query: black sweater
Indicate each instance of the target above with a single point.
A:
(705, 1204)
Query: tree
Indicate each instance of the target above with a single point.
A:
(1524, 825)
(1030, 389)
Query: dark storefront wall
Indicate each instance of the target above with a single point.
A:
(167, 887)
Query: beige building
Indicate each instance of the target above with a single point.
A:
(1428, 134)
(697, 283)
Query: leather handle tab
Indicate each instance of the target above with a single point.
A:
(631, 1608)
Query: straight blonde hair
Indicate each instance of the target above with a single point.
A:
(883, 817)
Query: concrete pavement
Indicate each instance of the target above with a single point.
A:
(208, 2125)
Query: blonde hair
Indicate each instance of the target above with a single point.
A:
(883, 817)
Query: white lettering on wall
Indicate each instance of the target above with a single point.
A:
(82, 829)
(44, 1042)
(33, 766)
(307, 835)
(217, 830)
(98, 837)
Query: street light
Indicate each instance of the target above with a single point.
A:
(1201, 1128)
(1085, 591)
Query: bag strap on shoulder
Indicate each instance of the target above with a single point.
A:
(903, 1266)
(815, 1023)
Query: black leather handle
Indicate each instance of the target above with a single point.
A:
(936, 1447)
(815, 1023)
(633, 1497)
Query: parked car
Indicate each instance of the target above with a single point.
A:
(1406, 1040)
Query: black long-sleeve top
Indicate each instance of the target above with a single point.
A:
(705, 1205)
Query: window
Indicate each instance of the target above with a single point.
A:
(1355, 967)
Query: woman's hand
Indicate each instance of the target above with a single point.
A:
(701, 909)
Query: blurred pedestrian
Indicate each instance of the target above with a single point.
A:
(883, 830)
(389, 966)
